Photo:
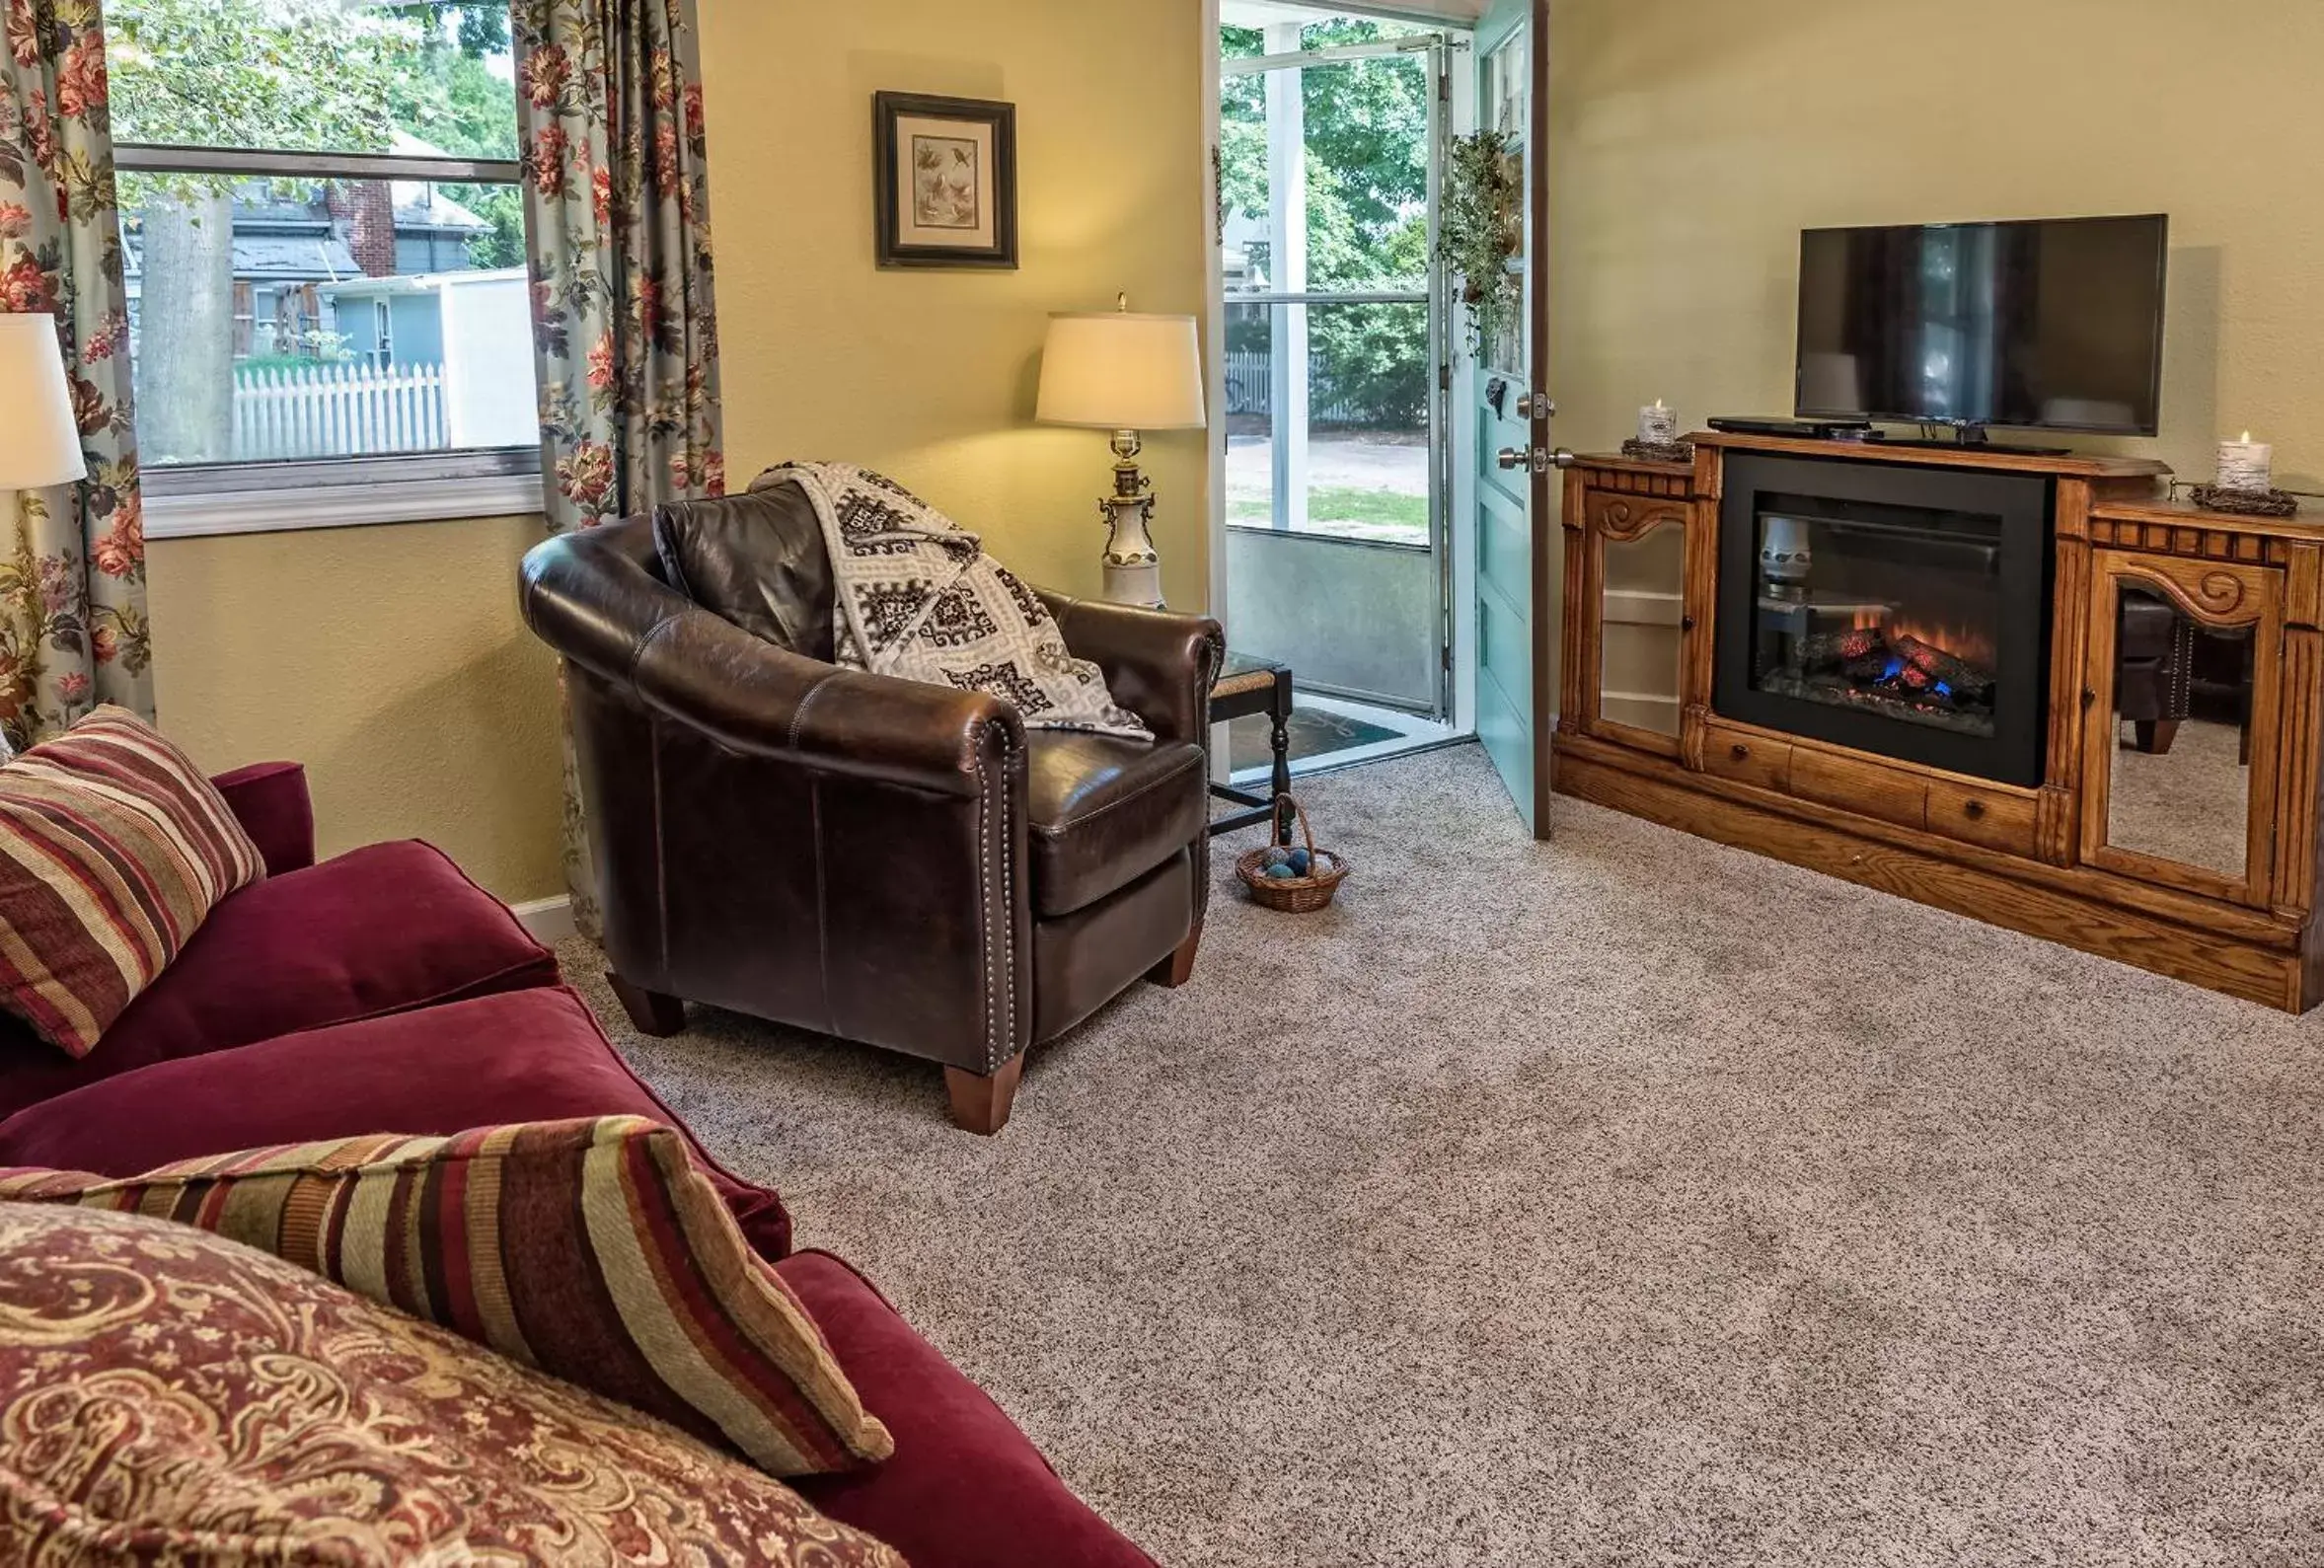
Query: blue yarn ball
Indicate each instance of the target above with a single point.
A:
(1279, 873)
(1299, 862)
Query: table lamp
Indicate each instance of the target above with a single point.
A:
(1125, 373)
(40, 442)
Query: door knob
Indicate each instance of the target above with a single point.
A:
(1514, 457)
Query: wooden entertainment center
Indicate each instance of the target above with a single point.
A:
(2162, 809)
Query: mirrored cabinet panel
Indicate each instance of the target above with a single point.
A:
(2185, 667)
(2182, 706)
(1642, 636)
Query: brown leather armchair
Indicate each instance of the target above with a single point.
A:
(885, 861)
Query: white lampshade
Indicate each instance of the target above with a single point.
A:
(40, 442)
(1118, 371)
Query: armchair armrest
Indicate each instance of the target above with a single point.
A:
(1159, 664)
(270, 800)
(592, 597)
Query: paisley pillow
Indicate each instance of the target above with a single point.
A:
(167, 1395)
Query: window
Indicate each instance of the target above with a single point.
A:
(323, 240)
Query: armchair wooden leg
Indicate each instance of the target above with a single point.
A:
(2155, 736)
(980, 1104)
(650, 1013)
(1176, 970)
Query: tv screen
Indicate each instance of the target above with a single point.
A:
(2051, 326)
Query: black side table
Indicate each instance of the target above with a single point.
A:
(1245, 687)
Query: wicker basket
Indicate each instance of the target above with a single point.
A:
(1293, 895)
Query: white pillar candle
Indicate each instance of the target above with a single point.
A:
(1658, 425)
(2247, 464)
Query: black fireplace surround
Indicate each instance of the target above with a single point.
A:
(1895, 609)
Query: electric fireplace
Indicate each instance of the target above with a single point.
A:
(1896, 610)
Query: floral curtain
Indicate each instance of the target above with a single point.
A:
(73, 630)
(617, 199)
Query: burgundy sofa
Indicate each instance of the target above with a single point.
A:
(384, 992)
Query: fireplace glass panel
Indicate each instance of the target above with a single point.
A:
(2181, 789)
(1888, 610)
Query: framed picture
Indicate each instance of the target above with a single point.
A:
(945, 183)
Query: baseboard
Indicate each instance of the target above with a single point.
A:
(549, 920)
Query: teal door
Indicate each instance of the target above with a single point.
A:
(1512, 462)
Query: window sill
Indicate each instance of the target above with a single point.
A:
(278, 511)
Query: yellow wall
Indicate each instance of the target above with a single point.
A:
(392, 662)
(1693, 141)
(930, 376)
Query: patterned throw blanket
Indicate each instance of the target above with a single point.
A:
(918, 598)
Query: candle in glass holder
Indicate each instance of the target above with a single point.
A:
(1658, 425)
(2247, 466)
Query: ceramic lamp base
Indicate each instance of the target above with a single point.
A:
(1133, 566)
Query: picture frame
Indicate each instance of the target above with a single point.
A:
(944, 181)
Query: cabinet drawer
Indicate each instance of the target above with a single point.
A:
(1991, 818)
(1866, 789)
(1745, 758)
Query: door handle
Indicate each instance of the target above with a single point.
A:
(1539, 459)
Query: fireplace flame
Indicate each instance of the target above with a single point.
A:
(1967, 643)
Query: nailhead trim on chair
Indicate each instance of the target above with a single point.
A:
(1000, 1045)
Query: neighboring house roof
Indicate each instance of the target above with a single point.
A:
(262, 257)
(420, 205)
(439, 214)
(291, 258)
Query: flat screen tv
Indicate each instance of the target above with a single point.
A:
(2046, 326)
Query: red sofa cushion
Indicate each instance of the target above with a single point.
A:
(383, 930)
(965, 1488)
(524, 1056)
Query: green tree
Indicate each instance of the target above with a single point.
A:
(1366, 142)
(453, 101)
(456, 102)
(302, 74)
(481, 25)
(503, 207)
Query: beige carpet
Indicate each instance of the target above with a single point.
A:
(1619, 1201)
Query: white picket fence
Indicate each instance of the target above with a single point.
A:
(338, 410)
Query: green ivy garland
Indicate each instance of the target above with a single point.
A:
(1481, 231)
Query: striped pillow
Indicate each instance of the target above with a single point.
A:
(594, 1251)
(113, 849)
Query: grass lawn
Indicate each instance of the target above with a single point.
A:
(1341, 504)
